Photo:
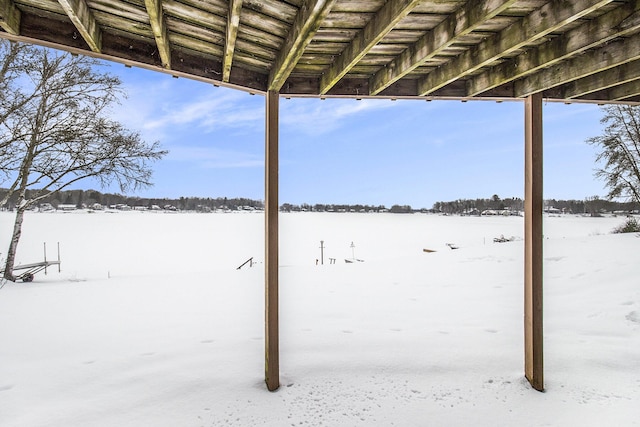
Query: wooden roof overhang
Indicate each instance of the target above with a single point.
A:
(570, 50)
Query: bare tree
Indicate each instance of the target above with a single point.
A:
(620, 151)
(14, 60)
(61, 133)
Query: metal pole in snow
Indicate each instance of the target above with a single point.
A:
(321, 252)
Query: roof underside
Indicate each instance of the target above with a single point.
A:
(572, 50)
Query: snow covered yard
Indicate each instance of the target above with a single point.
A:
(150, 323)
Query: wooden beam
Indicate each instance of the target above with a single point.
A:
(466, 19)
(305, 26)
(159, 29)
(612, 55)
(616, 23)
(533, 236)
(621, 74)
(380, 25)
(233, 22)
(9, 17)
(624, 91)
(534, 26)
(83, 19)
(272, 352)
(627, 92)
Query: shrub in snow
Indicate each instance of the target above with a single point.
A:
(631, 225)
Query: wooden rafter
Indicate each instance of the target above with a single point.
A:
(610, 78)
(305, 26)
(612, 55)
(9, 17)
(592, 33)
(233, 22)
(159, 28)
(380, 25)
(324, 47)
(463, 21)
(536, 25)
(626, 90)
(83, 19)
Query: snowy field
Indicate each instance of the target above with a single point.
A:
(150, 324)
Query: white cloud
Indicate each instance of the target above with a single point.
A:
(161, 107)
(312, 116)
(215, 158)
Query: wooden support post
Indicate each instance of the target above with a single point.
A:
(272, 356)
(533, 240)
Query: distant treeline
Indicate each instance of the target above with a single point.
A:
(590, 205)
(89, 198)
(288, 207)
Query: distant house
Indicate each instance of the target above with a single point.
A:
(121, 207)
(46, 207)
(67, 207)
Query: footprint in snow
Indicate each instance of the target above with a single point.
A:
(634, 317)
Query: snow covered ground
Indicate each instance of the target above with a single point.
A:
(150, 324)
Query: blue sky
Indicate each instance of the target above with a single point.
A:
(348, 151)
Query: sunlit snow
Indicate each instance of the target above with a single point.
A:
(149, 323)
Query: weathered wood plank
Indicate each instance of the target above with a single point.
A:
(367, 6)
(141, 50)
(383, 22)
(176, 27)
(217, 7)
(83, 19)
(615, 76)
(9, 17)
(276, 9)
(119, 10)
(272, 351)
(594, 61)
(590, 34)
(462, 22)
(264, 23)
(247, 59)
(193, 15)
(624, 91)
(124, 25)
(233, 22)
(259, 52)
(159, 28)
(258, 37)
(197, 45)
(58, 34)
(346, 20)
(306, 24)
(538, 24)
(533, 260)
